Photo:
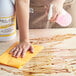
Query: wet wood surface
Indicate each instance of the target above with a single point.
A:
(58, 58)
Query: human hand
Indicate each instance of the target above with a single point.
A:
(21, 49)
(57, 9)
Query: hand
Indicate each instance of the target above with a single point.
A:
(57, 9)
(21, 49)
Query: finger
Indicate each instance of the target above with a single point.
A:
(12, 50)
(54, 18)
(31, 49)
(23, 53)
(15, 52)
(19, 53)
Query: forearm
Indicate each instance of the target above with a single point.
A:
(22, 13)
(60, 1)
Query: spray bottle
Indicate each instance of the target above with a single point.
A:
(64, 19)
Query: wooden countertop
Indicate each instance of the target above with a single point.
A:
(57, 59)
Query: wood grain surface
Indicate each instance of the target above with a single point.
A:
(54, 60)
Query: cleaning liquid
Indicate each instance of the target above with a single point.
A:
(7, 20)
(64, 19)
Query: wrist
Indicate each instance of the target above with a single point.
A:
(25, 40)
(58, 1)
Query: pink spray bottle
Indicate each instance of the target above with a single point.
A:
(64, 19)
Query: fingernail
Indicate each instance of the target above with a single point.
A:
(23, 56)
(13, 55)
(16, 56)
(32, 51)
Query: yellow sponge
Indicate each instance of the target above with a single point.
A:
(7, 58)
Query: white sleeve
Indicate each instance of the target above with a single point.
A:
(6, 8)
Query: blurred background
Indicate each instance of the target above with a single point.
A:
(38, 18)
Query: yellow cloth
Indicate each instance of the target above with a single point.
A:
(7, 58)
